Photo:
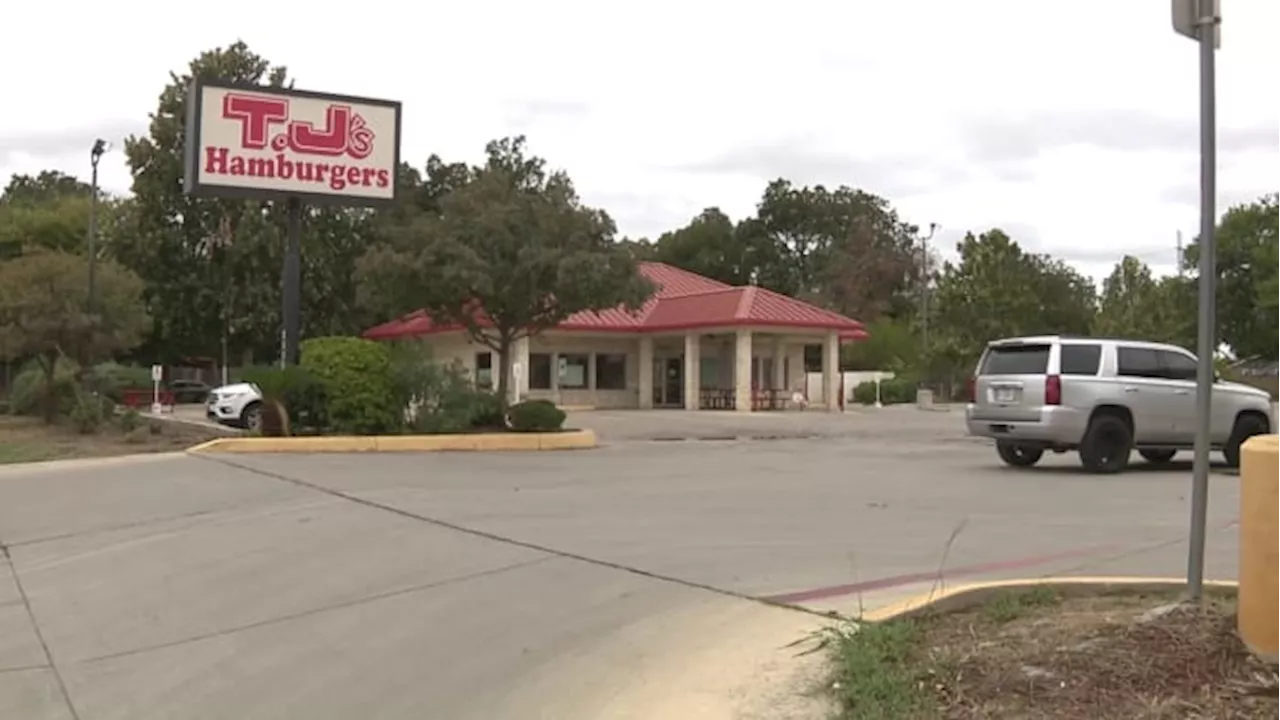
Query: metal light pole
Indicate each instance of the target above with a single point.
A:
(1201, 20)
(100, 147)
(924, 291)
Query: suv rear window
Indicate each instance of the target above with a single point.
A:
(1080, 359)
(1016, 360)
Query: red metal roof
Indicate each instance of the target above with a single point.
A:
(683, 301)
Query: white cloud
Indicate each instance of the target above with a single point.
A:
(1074, 125)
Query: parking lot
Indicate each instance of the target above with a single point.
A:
(622, 582)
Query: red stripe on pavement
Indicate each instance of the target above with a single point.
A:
(945, 573)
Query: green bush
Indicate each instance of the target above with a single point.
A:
(130, 420)
(300, 392)
(536, 416)
(440, 398)
(87, 415)
(358, 382)
(112, 379)
(28, 392)
(893, 391)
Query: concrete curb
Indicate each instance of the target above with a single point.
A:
(970, 595)
(479, 442)
(92, 462)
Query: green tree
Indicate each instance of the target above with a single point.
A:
(43, 302)
(845, 249)
(1246, 250)
(47, 186)
(512, 252)
(998, 290)
(893, 345)
(713, 246)
(1135, 304)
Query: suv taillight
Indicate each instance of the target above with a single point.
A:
(1052, 390)
(971, 386)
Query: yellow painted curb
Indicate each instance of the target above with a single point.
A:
(478, 442)
(970, 595)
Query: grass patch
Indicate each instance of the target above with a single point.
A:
(874, 677)
(1050, 654)
(1008, 607)
(24, 439)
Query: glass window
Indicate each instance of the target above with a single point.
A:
(1080, 359)
(1016, 360)
(1138, 362)
(1178, 366)
(539, 371)
(484, 370)
(573, 371)
(611, 371)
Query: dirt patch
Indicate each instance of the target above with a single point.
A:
(29, 440)
(1033, 654)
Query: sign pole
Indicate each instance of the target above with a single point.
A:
(291, 282)
(1206, 24)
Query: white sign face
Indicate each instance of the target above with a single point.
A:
(292, 144)
(157, 373)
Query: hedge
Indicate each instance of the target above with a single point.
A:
(358, 384)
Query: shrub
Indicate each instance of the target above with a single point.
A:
(358, 384)
(112, 379)
(536, 416)
(487, 411)
(87, 414)
(130, 420)
(29, 392)
(440, 398)
(300, 392)
(893, 391)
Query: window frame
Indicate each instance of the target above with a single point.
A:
(550, 371)
(487, 382)
(1097, 365)
(1157, 373)
(1169, 371)
(622, 376)
(563, 360)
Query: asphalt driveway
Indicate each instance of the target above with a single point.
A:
(604, 584)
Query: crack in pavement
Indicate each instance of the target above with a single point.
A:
(35, 627)
(494, 537)
(318, 610)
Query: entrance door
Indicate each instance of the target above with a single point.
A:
(668, 386)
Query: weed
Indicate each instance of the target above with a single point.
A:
(873, 678)
(1010, 606)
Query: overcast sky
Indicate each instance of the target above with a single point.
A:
(1073, 126)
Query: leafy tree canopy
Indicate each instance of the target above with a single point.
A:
(511, 241)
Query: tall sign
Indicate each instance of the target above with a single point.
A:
(295, 146)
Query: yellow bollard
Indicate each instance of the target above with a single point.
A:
(1258, 601)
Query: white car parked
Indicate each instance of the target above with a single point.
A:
(238, 405)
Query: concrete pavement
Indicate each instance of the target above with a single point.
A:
(607, 584)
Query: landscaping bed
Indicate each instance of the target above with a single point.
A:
(25, 439)
(1034, 653)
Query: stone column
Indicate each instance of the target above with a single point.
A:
(692, 370)
(779, 379)
(645, 376)
(742, 371)
(519, 380)
(831, 371)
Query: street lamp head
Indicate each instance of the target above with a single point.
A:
(100, 147)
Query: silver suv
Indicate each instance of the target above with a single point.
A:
(1104, 398)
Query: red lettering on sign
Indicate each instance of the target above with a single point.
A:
(256, 114)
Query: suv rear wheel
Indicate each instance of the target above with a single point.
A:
(251, 416)
(1018, 455)
(1246, 427)
(1157, 455)
(1106, 445)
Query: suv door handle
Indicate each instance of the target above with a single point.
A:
(1130, 389)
